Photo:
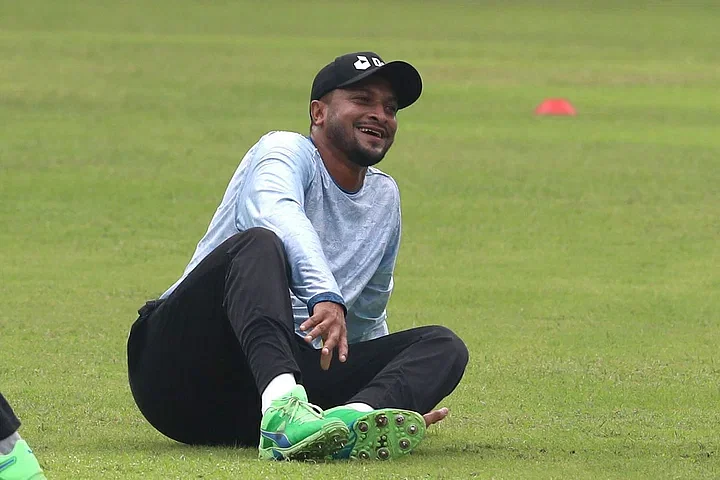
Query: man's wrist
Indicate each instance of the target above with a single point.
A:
(326, 297)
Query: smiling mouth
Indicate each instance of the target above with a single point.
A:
(373, 132)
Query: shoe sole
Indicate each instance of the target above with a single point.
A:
(386, 434)
(320, 445)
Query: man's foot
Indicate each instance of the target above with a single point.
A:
(294, 429)
(20, 464)
(380, 434)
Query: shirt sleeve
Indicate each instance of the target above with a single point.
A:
(273, 197)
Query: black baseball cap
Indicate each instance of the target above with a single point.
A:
(351, 68)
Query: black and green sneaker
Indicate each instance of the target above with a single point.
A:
(294, 429)
(380, 434)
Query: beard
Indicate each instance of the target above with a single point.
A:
(348, 143)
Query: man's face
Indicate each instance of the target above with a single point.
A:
(361, 120)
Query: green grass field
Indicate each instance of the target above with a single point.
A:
(579, 258)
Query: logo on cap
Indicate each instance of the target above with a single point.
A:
(363, 63)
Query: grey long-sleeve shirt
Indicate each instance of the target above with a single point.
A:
(341, 246)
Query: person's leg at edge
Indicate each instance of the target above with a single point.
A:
(412, 370)
(16, 458)
(220, 346)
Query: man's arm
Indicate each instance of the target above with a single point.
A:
(273, 197)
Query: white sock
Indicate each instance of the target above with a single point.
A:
(277, 387)
(360, 407)
(7, 444)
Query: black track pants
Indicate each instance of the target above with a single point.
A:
(198, 360)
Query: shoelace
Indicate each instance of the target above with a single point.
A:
(302, 411)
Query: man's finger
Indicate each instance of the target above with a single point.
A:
(325, 358)
(310, 322)
(343, 347)
(329, 344)
(330, 340)
(316, 332)
(435, 416)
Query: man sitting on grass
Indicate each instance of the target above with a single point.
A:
(295, 268)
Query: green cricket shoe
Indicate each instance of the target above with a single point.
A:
(20, 464)
(381, 434)
(294, 429)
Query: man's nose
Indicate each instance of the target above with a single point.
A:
(378, 112)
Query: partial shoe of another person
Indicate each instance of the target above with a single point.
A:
(20, 464)
(294, 429)
(380, 434)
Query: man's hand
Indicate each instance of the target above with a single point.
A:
(435, 416)
(327, 322)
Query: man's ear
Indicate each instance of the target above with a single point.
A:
(318, 111)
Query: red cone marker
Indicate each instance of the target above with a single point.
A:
(555, 106)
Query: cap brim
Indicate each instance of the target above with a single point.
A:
(404, 79)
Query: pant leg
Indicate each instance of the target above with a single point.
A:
(198, 360)
(9, 423)
(412, 369)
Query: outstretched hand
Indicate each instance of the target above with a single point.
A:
(435, 416)
(327, 322)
